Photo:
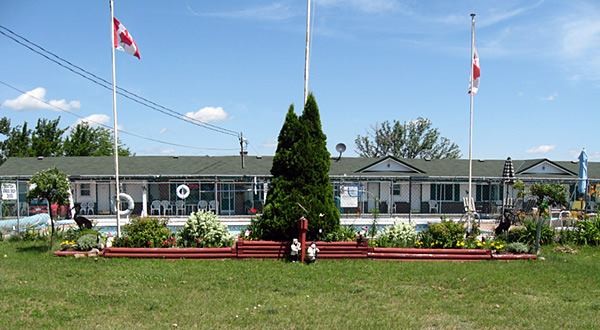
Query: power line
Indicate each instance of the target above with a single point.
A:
(106, 126)
(108, 85)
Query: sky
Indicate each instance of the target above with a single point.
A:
(239, 65)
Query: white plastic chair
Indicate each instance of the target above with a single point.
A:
(155, 207)
(202, 205)
(166, 205)
(90, 208)
(212, 205)
(180, 207)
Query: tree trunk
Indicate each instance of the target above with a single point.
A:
(52, 225)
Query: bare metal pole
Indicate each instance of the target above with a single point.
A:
(115, 132)
(307, 52)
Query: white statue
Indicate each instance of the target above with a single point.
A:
(312, 252)
(295, 249)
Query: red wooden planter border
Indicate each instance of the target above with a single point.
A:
(329, 250)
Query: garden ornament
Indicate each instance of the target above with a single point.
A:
(312, 252)
(295, 249)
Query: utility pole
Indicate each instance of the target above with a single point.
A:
(242, 151)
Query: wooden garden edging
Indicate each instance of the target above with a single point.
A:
(328, 250)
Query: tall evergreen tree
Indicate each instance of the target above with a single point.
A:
(18, 143)
(300, 176)
(315, 160)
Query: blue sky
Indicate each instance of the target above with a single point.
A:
(239, 64)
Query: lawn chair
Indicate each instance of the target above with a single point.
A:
(155, 207)
(180, 207)
(167, 207)
(212, 206)
(202, 205)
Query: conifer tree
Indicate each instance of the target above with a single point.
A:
(300, 176)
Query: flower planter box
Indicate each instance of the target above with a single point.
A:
(170, 253)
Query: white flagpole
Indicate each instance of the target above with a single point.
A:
(116, 136)
(471, 117)
(307, 51)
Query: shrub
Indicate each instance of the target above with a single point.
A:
(526, 234)
(87, 242)
(342, 234)
(445, 234)
(72, 234)
(587, 232)
(144, 232)
(203, 229)
(517, 247)
(401, 234)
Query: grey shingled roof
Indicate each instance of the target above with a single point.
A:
(208, 166)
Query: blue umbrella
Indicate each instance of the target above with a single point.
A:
(583, 167)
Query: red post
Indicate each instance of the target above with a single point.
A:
(303, 230)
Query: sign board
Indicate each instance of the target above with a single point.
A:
(349, 196)
(183, 191)
(9, 191)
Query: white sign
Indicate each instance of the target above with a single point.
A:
(349, 196)
(183, 191)
(9, 191)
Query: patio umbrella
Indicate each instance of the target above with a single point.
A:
(508, 173)
(582, 178)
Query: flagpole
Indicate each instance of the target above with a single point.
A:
(307, 51)
(470, 211)
(115, 133)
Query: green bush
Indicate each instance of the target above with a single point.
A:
(203, 229)
(73, 234)
(527, 233)
(144, 232)
(342, 234)
(445, 234)
(87, 242)
(401, 234)
(587, 232)
(517, 247)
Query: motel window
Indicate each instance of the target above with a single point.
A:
(444, 192)
(396, 189)
(85, 189)
(486, 192)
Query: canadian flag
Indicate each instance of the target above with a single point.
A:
(476, 73)
(124, 40)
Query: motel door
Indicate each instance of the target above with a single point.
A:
(227, 199)
(103, 198)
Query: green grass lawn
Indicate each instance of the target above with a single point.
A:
(38, 290)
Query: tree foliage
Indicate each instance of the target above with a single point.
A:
(85, 140)
(47, 139)
(300, 180)
(412, 139)
(555, 194)
(52, 185)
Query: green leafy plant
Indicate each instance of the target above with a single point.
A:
(445, 234)
(87, 242)
(144, 232)
(342, 234)
(401, 234)
(526, 233)
(72, 234)
(517, 247)
(203, 229)
(587, 232)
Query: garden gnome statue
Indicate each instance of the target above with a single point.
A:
(295, 249)
(312, 252)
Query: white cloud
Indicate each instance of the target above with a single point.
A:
(277, 11)
(35, 98)
(163, 130)
(541, 149)
(93, 120)
(367, 6)
(208, 114)
(550, 97)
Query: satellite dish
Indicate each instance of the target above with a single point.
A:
(340, 147)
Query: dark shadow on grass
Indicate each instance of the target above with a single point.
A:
(38, 248)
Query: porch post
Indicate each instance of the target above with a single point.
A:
(144, 199)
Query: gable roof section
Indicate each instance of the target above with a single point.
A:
(543, 167)
(390, 164)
